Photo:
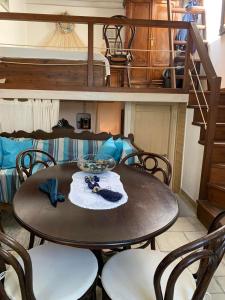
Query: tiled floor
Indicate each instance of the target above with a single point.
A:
(186, 229)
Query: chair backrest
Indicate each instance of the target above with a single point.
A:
(209, 250)
(152, 163)
(27, 160)
(114, 36)
(24, 274)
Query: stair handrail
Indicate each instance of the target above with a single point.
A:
(202, 52)
(214, 87)
(199, 104)
(199, 82)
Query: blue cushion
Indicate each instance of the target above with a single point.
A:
(11, 148)
(119, 149)
(107, 148)
(128, 148)
(1, 154)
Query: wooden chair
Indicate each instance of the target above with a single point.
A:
(145, 274)
(117, 53)
(154, 164)
(26, 162)
(48, 271)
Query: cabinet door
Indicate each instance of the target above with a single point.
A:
(140, 10)
(152, 127)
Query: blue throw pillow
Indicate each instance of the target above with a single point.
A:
(11, 148)
(119, 149)
(107, 148)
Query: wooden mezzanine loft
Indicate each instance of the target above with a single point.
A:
(194, 38)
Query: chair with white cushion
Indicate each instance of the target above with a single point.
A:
(143, 274)
(47, 272)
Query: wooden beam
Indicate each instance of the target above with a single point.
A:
(171, 47)
(187, 63)
(93, 20)
(90, 72)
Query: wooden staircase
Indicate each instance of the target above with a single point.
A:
(215, 202)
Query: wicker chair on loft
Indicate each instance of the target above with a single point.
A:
(118, 50)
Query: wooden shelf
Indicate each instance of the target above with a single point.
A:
(176, 42)
(193, 10)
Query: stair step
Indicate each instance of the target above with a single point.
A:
(217, 174)
(218, 155)
(193, 100)
(202, 77)
(206, 212)
(192, 10)
(216, 195)
(219, 135)
(220, 114)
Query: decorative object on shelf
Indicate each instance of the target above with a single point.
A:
(83, 121)
(65, 37)
(93, 184)
(92, 164)
(63, 123)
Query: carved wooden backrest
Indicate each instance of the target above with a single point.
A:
(152, 163)
(114, 38)
(64, 132)
(26, 161)
(24, 274)
(209, 250)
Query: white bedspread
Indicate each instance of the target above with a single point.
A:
(25, 52)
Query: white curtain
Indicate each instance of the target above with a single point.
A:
(28, 115)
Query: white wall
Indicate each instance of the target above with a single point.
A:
(39, 33)
(216, 42)
(11, 31)
(192, 158)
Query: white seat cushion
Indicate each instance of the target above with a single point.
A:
(59, 272)
(129, 275)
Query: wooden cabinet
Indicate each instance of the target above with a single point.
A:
(149, 39)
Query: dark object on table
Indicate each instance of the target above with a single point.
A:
(50, 187)
(92, 182)
(63, 123)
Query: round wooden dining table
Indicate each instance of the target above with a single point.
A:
(150, 210)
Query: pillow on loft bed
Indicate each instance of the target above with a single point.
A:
(11, 148)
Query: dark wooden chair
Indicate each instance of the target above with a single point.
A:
(145, 274)
(118, 52)
(49, 271)
(26, 162)
(154, 164)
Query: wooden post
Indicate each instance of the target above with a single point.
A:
(210, 136)
(171, 47)
(90, 73)
(187, 63)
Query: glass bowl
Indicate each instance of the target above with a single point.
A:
(96, 164)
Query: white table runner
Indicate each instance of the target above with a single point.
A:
(82, 196)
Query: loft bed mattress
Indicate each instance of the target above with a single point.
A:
(40, 53)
